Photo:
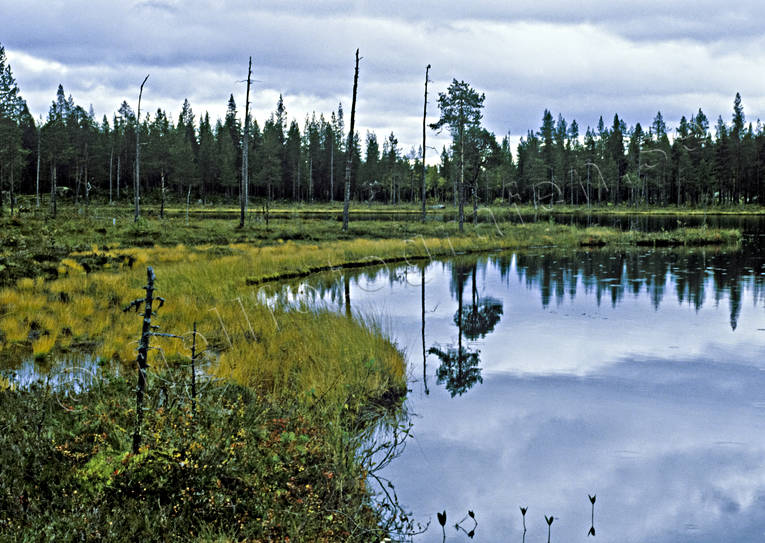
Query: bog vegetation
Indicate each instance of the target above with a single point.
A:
(295, 396)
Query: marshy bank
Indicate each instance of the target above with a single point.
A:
(290, 369)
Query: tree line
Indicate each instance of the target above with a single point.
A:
(72, 155)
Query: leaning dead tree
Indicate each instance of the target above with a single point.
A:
(349, 147)
(424, 117)
(245, 182)
(137, 182)
(143, 349)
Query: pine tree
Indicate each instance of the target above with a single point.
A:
(547, 135)
(226, 155)
(736, 142)
(460, 109)
(722, 167)
(208, 167)
(57, 146)
(12, 107)
(370, 173)
(182, 156)
(292, 154)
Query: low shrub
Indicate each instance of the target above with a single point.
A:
(239, 468)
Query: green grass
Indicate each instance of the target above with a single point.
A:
(32, 246)
(323, 374)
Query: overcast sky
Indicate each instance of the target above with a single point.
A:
(581, 59)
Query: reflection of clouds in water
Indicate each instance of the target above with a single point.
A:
(615, 374)
(77, 374)
(660, 454)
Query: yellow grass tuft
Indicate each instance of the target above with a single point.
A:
(70, 266)
(14, 330)
(42, 346)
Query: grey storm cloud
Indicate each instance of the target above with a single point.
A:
(582, 59)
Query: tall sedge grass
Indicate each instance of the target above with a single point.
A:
(301, 350)
(304, 351)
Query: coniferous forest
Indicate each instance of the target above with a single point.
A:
(79, 157)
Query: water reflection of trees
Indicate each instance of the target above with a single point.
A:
(614, 274)
(482, 315)
(460, 366)
(691, 276)
(460, 369)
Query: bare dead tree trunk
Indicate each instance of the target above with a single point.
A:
(2, 174)
(37, 178)
(475, 202)
(296, 184)
(12, 195)
(137, 186)
(119, 157)
(349, 148)
(462, 178)
(332, 171)
(162, 204)
(77, 177)
(111, 164)
(424, 116)
(143, 351)
(244, 187)
(53, 190)
(87, 182)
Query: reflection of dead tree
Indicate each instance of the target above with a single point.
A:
(378, 447)
(424, 116)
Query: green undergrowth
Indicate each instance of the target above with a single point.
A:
(238, 467)
(279, 454)
(32, 246)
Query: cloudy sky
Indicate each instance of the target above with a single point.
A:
(581, 59)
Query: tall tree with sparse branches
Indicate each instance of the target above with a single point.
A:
(460, 109)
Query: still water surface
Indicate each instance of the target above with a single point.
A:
(634, 375)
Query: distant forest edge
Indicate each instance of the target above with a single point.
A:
(610, 163)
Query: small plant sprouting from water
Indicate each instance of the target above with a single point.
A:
(523, 515)
(471, 532)
(442, 522)
(549, 520)
(592, 518)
